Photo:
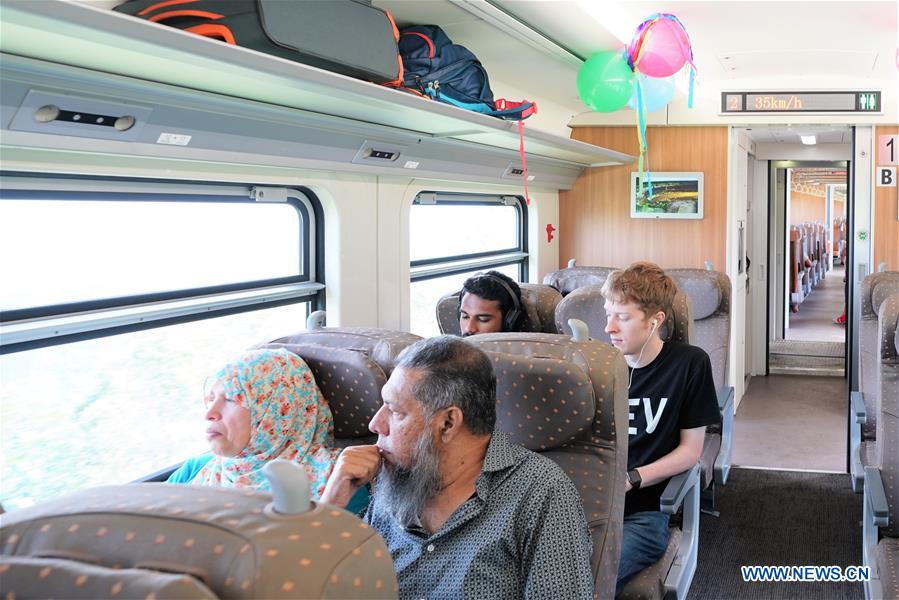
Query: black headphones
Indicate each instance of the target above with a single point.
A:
(510, 319)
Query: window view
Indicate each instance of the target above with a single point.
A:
(101, 249)
(115, 405)
(115, 409)
(454, 239)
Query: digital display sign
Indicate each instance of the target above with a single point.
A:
(800, 102)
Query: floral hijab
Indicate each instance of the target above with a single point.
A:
(289, 419)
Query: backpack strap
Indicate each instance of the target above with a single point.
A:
(516, 111)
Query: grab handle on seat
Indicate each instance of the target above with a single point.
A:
(579, 330)
(290, 487)
(316, 320)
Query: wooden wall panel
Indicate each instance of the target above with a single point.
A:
(595, 226)
(886, 213)
(806, 207)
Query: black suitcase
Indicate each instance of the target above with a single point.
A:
(350, 37)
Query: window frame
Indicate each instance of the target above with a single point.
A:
(49, 325)
(432, 268)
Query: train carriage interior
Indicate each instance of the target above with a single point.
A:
(179, 184)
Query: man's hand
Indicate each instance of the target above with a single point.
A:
(627, 484)
(355, 467)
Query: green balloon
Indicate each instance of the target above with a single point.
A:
(605, 82)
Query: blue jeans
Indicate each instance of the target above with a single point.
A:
(643, 542)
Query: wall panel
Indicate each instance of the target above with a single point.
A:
(806, 207)
(595, 226)
(886, 213)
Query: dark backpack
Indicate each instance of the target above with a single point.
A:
(436, 67)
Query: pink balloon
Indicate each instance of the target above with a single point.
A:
(664, 51)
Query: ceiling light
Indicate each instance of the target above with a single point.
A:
(808, 140)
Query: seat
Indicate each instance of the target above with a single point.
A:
(538, 300)
(881, 488)
(875, 288)
(350, 366)
(710, 293)
(673, 573)
(175, 541)
(568, 400)
(571, 278)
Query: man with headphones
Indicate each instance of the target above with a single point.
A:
(671, 396)
(490, 302)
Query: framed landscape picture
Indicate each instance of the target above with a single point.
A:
(674, 196)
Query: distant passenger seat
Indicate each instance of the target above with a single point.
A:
(154, 540)
(709, 292)
(881, 495)
(875, 288)
(538, 300)
(571, 278)
(568, 400)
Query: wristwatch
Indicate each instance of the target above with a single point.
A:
(633, 476)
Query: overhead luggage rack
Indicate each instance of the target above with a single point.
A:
(114, 51)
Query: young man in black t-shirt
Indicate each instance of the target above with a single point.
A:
(672, 399)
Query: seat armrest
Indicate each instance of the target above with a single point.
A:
(726, 406)
(677, 489)
(857, 417)
(876, 498)
(726, 399)
(683, 489)
(857, 402)
(875, 513)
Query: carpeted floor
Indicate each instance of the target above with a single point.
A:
(814, 321)
(779, 518)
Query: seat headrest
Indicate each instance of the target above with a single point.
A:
(381, 345)
(709, 291)
(578, 365)
(226, 538)
(349, 380)
(540, 301)
(541, 402)
(882, 289)
(869, 284)
(571, 278)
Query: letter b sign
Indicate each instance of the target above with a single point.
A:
(886, 176)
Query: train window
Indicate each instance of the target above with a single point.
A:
(136, 248)
(122, 299)
(453, 236)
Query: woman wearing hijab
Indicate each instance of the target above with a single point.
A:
(261, 406)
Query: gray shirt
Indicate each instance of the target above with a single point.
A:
(521, 535)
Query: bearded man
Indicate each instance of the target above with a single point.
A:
(465, 513)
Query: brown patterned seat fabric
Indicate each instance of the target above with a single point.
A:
(568, 400)
(571, 278)
(161, 540)
(350, 366)
(539, 301)
(874, 289)
(887, 443)
(709, 292)
(884, 554)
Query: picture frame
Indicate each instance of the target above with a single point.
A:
(675, 196)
